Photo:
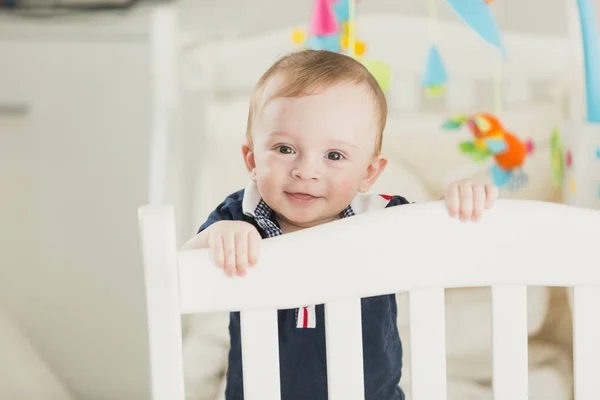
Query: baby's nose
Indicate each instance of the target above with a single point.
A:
(307, 168)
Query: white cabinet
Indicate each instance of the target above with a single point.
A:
(74, 162)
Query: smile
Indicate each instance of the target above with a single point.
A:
(301, 198)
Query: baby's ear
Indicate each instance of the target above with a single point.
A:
(374, 169)
(248, 155)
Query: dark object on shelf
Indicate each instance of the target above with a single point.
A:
(56, 8)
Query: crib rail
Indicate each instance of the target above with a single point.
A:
(415, 248)
(404, 248)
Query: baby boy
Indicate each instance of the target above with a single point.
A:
(313, 151)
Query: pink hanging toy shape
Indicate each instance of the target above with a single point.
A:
(323, 21)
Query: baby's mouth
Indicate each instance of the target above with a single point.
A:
(302, 196)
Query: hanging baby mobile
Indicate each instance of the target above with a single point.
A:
(490, 138)
(333, 28)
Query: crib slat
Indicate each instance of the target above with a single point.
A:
(404, 93)
(343, 329)
(509, 335)
(461, 94)
(586, 343)
(159, 249)
(260, 355)
(427, 326)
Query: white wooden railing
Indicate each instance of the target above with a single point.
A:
(416, 248)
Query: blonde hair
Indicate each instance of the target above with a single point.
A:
(307, 71)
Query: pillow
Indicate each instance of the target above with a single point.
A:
(401, 179)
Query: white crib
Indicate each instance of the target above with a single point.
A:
(518, 243)
(541, 88)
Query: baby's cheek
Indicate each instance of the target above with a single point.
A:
(346, 187)
(268, 166)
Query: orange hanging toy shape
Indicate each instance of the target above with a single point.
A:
(490, 139)
(508, 150)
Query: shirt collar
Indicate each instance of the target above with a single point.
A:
(251, 199)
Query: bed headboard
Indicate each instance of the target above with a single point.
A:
(535, 69)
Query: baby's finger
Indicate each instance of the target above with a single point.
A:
(466, 200)
(452, 200)
(215, 243)
(229, 251)
(254, 241)
(479, 201)
(241, 252)
(491, 195)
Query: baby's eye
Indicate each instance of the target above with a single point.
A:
(285, 150)
(334, 156)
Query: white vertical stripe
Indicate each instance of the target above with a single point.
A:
(300, 317)
(312, 317)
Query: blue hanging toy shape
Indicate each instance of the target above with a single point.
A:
(478, 15)
(435, 76)
(341, 8)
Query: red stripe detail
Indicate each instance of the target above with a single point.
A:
(387, 197)
(305, 322)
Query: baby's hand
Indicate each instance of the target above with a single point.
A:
(468, 199)
(234, 245)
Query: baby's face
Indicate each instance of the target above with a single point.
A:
(312, 154)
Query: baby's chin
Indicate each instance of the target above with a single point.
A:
(306, 218)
